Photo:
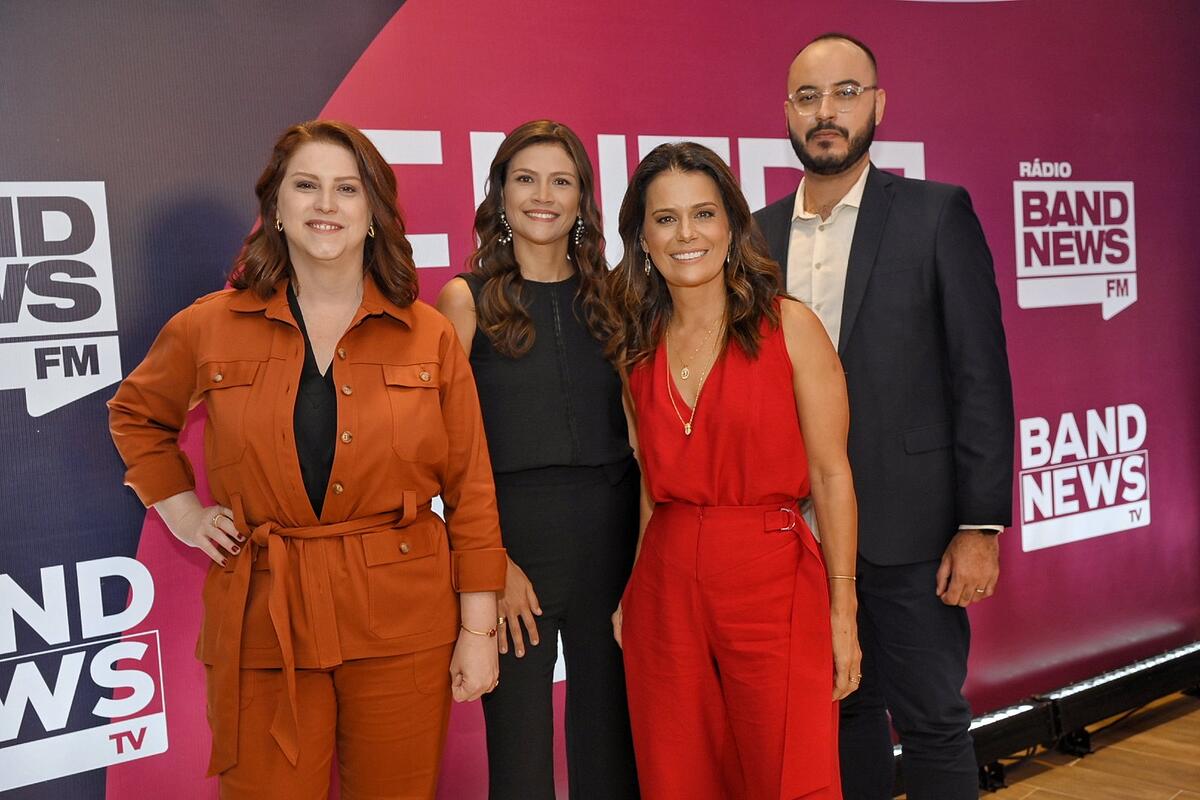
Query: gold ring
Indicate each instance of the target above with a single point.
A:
(501, 621)
(855, 680)
(214, 519)
(980, 591)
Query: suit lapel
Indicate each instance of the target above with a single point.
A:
(777, 230)
(868, 232)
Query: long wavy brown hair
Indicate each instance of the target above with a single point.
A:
(387, 257)
(499, 310)
(643, 302)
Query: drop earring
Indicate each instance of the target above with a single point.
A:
(647, 264)
(579, 226)
(505, 237)
(279, 224)
(371, 230)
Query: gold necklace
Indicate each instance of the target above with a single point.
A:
(687, 423)
(685, 372)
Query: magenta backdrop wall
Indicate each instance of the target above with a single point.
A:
(1072, 124)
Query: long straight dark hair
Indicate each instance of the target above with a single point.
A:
(387, 257)
(643, 302)
(501, 314)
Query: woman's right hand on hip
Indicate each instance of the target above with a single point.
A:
(207, 528)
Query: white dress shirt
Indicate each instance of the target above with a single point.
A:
(818, 257)
(819, 253)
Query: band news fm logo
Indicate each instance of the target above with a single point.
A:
(1083, 475)
(51, 722)
(1075, 241)
(58, 319)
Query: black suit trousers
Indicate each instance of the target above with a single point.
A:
(914, 665)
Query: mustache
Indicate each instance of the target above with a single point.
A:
(826, 126)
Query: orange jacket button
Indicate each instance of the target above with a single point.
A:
(341, 352)
(338, 488)
(425, 376)
(218, 377)
(347, 437)
(404, 548)
(347, 390)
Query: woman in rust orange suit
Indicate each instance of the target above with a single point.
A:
(339, 609)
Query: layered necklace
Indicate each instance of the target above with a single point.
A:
(685, 373)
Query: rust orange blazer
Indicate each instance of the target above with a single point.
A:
(377, 573)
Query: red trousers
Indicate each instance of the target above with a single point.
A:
(386, 717)
(728, 657)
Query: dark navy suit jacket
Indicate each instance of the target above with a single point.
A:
(922, 344)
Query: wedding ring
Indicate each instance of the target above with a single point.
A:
(214, 519)
(980, 591)
(501, 621)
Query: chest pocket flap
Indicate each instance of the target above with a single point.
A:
(413, 376)
(225, 374)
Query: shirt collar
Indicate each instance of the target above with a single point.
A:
(374, 301)
(852, 198)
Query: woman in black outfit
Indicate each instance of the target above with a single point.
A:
(532, 315)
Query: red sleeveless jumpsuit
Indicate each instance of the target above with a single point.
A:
(726, 630)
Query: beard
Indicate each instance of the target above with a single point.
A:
(830, 164)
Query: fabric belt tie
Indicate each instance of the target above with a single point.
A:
(809, 715)
(226, 670)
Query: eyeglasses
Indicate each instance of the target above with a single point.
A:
(845, 98)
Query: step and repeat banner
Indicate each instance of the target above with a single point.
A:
(132, 135)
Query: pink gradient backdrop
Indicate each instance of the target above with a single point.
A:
(984, 86)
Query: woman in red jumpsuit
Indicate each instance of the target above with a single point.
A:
(738, 642)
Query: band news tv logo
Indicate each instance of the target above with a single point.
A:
(1083, 476)
(1075, 241)
(58, 319)
(45, 692)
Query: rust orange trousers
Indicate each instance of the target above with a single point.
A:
(385, 718)
(728, 657)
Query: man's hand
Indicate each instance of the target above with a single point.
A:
(970, 568)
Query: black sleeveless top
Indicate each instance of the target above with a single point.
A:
(560, 403)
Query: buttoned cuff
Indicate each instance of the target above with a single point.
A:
(159, 478)
(985, 528)
(479, 570)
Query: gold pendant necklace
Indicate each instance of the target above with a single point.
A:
(685, 372)
(687, 423)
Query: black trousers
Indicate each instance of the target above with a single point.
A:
(914, 665)
(573, 530)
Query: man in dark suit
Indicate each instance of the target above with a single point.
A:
(900, 274)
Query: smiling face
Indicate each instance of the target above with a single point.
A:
(829, 141)
(686, 229)
(322, 204)
(541, 193)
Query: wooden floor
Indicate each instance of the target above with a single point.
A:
(1154, 754)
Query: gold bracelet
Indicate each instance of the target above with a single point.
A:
(491, 634)
(844, 578)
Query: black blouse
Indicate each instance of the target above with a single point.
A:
(560, 403)
(314, 421)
